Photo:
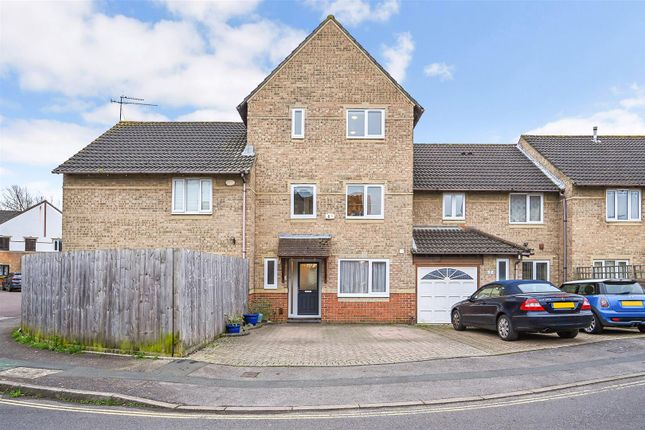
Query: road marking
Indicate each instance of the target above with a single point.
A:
(328, 415)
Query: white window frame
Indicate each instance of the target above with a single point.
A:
(380, 216)
(294, 135)
(508, 269)
(315, 209)
(365, 125)
(370, 293)
(183, 211)
(273, 286)
(453, 209)
(629, 205)
(535, 262)
(528, 208)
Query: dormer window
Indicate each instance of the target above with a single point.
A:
(365, 123)
(297, 123)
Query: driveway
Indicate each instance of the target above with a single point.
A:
(354, 345)
(9, 304)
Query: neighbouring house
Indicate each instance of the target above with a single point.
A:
(321, 187)
(603, 179)
(36, 229)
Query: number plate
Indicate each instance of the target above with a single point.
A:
(632, 303)
(564, 305)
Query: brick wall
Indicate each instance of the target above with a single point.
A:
(489, 212)
(327, 76)
(134, 211)
(12, 259)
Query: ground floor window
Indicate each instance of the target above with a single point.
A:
(4, 269)
(363, 278)
(502, 269)
(610, 268)
(270, 273)
(535, 270)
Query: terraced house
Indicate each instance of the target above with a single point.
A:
(342, 216)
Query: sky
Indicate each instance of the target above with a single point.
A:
(484, 71)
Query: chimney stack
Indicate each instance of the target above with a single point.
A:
(595, 134)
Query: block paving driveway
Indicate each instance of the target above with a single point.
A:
(356, 345)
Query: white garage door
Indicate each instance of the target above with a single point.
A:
(441, 287)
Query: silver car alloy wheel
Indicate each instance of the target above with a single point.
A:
(455, 318)
(591, 327)
(503, 327)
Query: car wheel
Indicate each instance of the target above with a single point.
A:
(457, 322)
(595, 327)
(505, 329)
(568, 334)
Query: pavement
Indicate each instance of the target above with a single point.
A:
(189, 384)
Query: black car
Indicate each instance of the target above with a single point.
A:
(13, 282)
(512, 307)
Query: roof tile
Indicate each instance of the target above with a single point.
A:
(461, 241)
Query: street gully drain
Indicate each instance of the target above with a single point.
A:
(250, 374)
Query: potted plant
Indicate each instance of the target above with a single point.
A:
(234, 323)
(262, 307)
(252, 319)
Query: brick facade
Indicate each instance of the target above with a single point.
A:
(489, 212)
(134, 211)
(13, 259)
(332, 74)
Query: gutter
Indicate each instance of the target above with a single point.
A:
(243, 175)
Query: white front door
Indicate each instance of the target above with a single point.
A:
(438, 288)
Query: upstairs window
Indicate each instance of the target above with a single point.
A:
(192, 196)
(297, 123)
(454, 206)
(303, 201)
(365, 123)
(30, 244)
(623, 205)
(526, 208)
(364, 201)
(4, 243)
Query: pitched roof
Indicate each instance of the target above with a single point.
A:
(461, 241)
(7, 215)
(476, 167)
(304, 245)
(242, 107)
(612, 161)
(164, 147)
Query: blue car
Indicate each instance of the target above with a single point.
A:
(614, 302)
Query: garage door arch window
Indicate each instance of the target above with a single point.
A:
(447, 273)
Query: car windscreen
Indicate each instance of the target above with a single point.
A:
(537, 288)
(623, 288)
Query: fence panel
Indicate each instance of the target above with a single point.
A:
(156, 300)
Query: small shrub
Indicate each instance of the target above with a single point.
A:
(261, 306)
(15, 393)
(53, 343)
(235, 319)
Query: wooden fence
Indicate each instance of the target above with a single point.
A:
(168, 301)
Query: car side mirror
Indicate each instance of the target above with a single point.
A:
(471, 298)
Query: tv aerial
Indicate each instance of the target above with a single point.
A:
(125, 100)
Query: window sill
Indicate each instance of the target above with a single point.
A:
(362, 298)
(630, 222)
(527, 225)
(365, 220)
(304, 220)
(454, 220)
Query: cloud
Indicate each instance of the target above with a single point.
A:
(198, 60)
(627, 118)
(42, 142)
(398, 56)
(442, 71)
(354, 12)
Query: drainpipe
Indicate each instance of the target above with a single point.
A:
(565, 238)
(243, 215)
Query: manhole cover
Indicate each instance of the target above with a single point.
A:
(250, 374)
(28, 372)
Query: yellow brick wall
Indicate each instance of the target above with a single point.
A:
(489, 212)
(134, 211)
(327, 76)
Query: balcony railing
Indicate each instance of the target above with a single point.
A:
(634, 271)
